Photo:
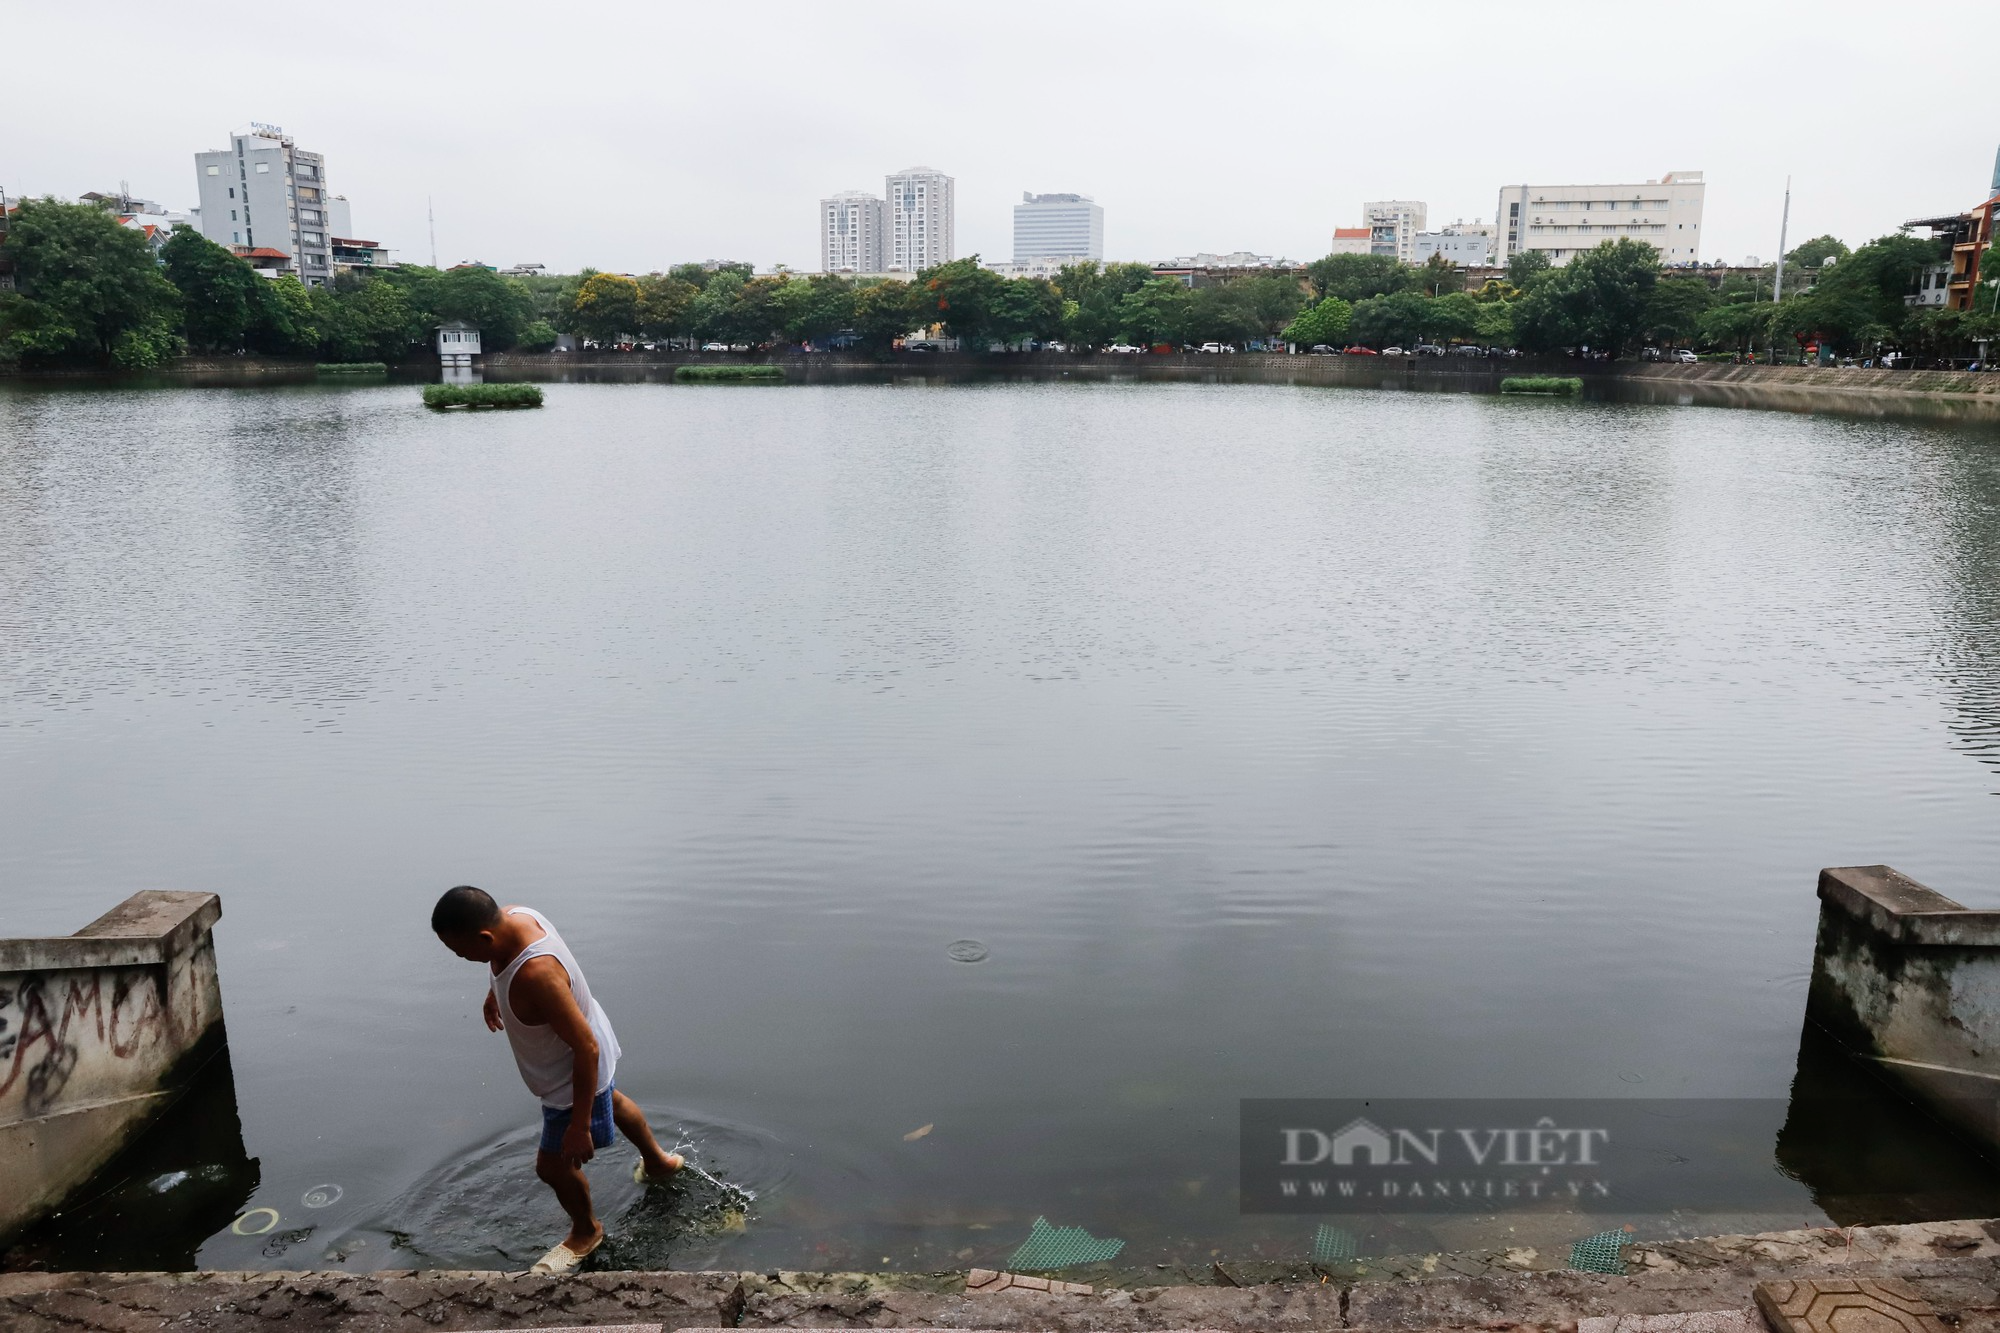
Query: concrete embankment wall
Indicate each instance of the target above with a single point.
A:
(1950, 395)
(98, 1030)
(1908, 980)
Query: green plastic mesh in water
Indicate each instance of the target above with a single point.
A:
(1061, 1247)
(1602, 1253)
(1331, 1244)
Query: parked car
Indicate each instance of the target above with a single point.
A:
(1685, 355)
(1466, 349)
(1394, 351)
(715, 347)
(1429, 349)
(1213, 348)
(1359, 350)
(1124, 349)
(1651, 354)
(1321, 349)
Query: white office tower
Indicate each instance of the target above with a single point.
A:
(263, 192)
(851, 226)
(1562, 221)
(1393, 225)
(1057, 226)
(920, 219)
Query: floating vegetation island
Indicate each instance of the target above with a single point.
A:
(441, 396)
(730, 374)
(1562, 386)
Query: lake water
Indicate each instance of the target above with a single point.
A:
(1271, 742)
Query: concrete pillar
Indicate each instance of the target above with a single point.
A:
(98, 1031)
(1909, 981)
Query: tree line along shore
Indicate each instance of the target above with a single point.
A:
(92, 293)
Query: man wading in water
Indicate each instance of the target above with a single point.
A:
(565, 1048)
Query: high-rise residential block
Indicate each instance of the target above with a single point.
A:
(263, 192)
(851, 233)
(1057, 226)
(1562, 221)
(1393, 225)
(921, 231)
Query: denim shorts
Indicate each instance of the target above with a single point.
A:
(555, 1123)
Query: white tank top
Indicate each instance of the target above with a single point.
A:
(547, 1064)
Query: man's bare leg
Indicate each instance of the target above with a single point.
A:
(573, 1193)
(631, 1122)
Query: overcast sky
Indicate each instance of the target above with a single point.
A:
(631, 135)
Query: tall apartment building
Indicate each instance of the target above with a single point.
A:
(852, 239)
(921, 232)
(264, 192)
(1561, 221)
(1393, 225)
(1057, 226)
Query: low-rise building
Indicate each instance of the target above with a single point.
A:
(1562, 221)
(269, 261)
(350, 253)
(1351, 241)
(1967, 234)
(1466, 244)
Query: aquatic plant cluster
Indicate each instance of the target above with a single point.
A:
(441, 396)
(730, 374)
(1566, 386)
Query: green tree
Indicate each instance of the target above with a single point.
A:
(753, 316)
(813, 309)
(883, 312)
(662, 305)
(1453, 317)
(1394, 319)
(221, 296)
(606, 307)
(1092, 297)
(285, 324)
(1222, 312)
(1322, 322)
(708, 314)
(1814, 253)
(499, 307)
(1599, 299)
(539, 336)
(960, 297)
(1025, 309)
(1357, 277)
(1859, 301)
(1674, 310)
(1439, 275)
(86, 290)
(1154, 312)
(1495, 323)
(1527, 267)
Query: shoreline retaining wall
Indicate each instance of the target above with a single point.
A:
(1909, 981)
(98, 1031)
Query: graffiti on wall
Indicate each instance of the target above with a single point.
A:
(49, 1022)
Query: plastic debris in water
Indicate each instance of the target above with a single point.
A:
(1602, 1253)
(322, 1196)
(1332, 1245)
(966, 951)
(255, 1222)
(161, 1184)
(1062, 1247)
(918, 1133)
